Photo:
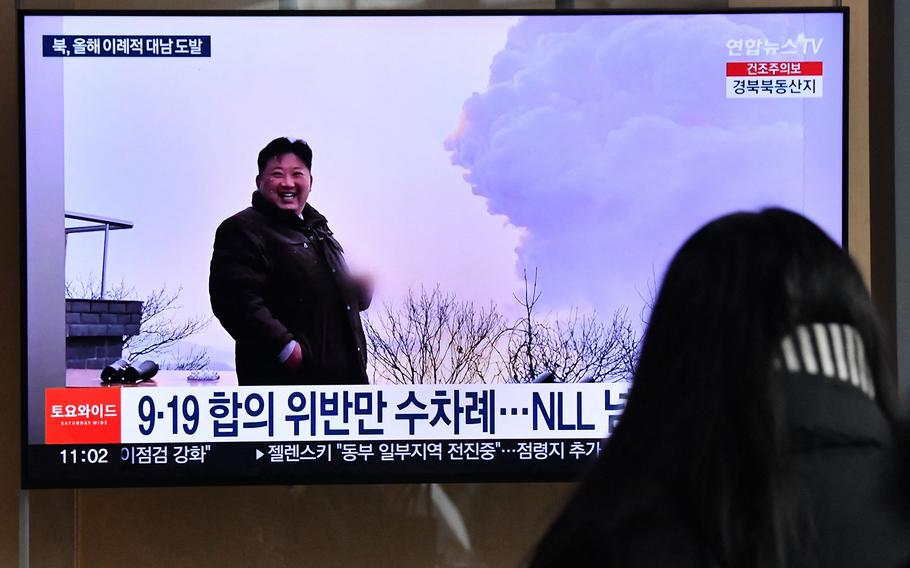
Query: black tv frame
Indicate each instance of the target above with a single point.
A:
(32, 465)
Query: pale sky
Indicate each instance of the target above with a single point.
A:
(593, 150)
(180, 140)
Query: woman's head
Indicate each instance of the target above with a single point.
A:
(732, 292)
(704, 427)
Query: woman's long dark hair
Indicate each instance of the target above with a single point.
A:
(703, 432)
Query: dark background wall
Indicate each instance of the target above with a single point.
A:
(901, 132)
(393, 525)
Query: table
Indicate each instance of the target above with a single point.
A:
(164, 378)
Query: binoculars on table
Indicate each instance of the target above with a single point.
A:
(550, 377)
(122, 371)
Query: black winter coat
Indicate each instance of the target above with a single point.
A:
(846, 467)
(275, 277)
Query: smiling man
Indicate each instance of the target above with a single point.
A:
(279, 284)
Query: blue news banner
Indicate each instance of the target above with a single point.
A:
(126, 46)
(337, 434)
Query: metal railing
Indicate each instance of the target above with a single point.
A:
(105, 224)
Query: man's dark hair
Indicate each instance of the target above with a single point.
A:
(282, 146)
(703, 434)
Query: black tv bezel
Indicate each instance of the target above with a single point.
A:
(29, 482)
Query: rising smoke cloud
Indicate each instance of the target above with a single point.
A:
(611, 140)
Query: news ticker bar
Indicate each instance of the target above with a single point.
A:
(774, 79)
(307, 462)
(96, 415)
(126, 46)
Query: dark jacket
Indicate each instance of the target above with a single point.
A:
(275, 277)
(846, 463)
(844, 466)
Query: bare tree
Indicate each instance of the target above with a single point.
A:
(195, 359)
(573, 348)
(433, 338)
(159, 328)
(523, 343)
(581, 348)
(90, 289)
(649, 297)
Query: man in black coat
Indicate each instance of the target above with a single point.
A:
(279, 284)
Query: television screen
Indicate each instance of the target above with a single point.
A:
(379, 247)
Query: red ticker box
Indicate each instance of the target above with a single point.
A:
(774, 68)
(82, 416)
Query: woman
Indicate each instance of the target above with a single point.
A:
(758, 430)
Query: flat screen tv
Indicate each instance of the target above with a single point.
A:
(442, 269)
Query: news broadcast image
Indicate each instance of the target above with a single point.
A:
(513, 187)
